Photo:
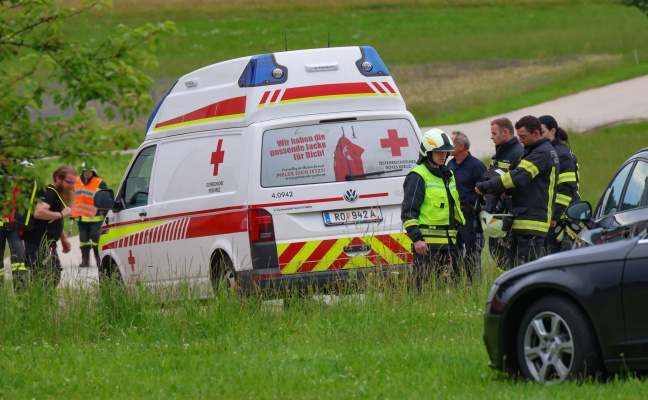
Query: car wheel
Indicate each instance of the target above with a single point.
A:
(222, 273)
(109, 272)
(556, 342)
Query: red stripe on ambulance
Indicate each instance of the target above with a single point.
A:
(223, 108)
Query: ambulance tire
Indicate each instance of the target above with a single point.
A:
(109, 272)
(222, 272)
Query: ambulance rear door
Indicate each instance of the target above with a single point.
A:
(334, 187)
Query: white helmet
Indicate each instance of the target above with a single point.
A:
(435, 140)
(495, 225)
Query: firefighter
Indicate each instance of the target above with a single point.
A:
(532, 187)
(567, 186)
(88, 218)
(431, 212)
(9, 233)
(508, 151)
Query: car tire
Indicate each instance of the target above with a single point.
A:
(109, 272)
(556, 342)
(222, 273)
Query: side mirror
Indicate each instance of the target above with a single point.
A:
(580, 211)
(104, 199)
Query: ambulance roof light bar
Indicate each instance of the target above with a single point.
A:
(263, 70)
(370, 64)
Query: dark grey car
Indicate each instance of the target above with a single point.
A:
(623, 205)
(572, 315)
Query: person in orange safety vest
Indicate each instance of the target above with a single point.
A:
(89, 219)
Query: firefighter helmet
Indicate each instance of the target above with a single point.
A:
(495, 225)
(86, 167)
(435, 140)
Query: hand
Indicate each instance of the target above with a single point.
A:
(478, 191)
(553, 224)
(66, 245)
(66, 212)
(420, 247)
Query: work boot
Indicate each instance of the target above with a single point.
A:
(85, 257)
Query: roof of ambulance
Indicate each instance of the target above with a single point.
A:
(251, 89)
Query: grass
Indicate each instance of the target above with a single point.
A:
(453, 64)
(389, 343)
(501, 55)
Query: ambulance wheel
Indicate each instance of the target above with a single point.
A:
(109, 272)
(222, 272)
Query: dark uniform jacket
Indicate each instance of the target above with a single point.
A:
(567, 189)
(532, 187)
(507, 155)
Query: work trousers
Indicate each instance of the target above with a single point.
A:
(525, 248)
(43, 262)
(89, 239)
(469, 245)
(436, 263)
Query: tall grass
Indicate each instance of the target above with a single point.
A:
(378, 339)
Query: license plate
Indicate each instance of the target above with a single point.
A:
(356, 216)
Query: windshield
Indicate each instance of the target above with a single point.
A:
(341, 151)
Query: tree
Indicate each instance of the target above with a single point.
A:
(640, 4)
(40, 70)
(39, 66)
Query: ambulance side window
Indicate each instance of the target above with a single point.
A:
(136, 188)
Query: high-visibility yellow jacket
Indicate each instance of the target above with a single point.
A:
(426, 209)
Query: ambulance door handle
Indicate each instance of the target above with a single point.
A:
(142, 214)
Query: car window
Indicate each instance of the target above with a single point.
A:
(636, 191)
(338, 151)
(136, 187)
(612, 197)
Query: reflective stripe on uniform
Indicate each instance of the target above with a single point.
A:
(563, 199)
(529, 167)
(566, 177)
(525, 224)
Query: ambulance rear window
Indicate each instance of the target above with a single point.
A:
(334, 152)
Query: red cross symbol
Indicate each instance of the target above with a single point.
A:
(131, 260)
(393, 142)
(218, 156)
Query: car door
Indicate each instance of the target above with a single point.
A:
(635, 294)
(130, 235)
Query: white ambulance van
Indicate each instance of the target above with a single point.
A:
(282, 168)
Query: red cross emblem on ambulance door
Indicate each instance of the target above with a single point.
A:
(218, 156)
(393, 142)
(131, 260)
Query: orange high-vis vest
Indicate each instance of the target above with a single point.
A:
(84, 200)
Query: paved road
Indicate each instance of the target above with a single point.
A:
(580, 112)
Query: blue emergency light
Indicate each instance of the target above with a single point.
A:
(263, 70)
(371, 64)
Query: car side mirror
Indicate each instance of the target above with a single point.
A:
(104, 199)
(580, 211)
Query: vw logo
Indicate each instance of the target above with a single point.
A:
(350, 195)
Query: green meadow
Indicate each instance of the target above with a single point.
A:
(454, 61)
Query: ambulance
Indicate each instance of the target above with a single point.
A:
(276, 169)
